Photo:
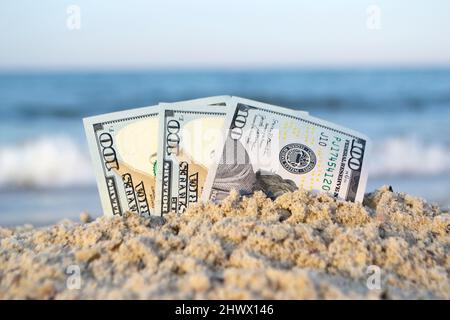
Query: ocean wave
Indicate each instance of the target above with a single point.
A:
(408, 156)
(45, 162)
(53, 162)
(325, 102)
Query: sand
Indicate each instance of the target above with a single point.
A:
(299, 246)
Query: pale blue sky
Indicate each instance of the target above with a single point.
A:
(216, 33)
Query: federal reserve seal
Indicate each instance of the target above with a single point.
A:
(297, 158)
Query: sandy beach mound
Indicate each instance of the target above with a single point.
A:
(301, 245)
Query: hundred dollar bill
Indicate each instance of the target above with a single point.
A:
(188, 137)
(276, 150)
(123, 148)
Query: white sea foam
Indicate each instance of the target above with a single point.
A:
(45, 162)
(408, 156)
(60, 162)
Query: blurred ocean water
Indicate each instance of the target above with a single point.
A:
(45, 170)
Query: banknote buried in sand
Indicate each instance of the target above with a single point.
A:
(165, 158)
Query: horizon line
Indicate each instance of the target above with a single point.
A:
(222, 68)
